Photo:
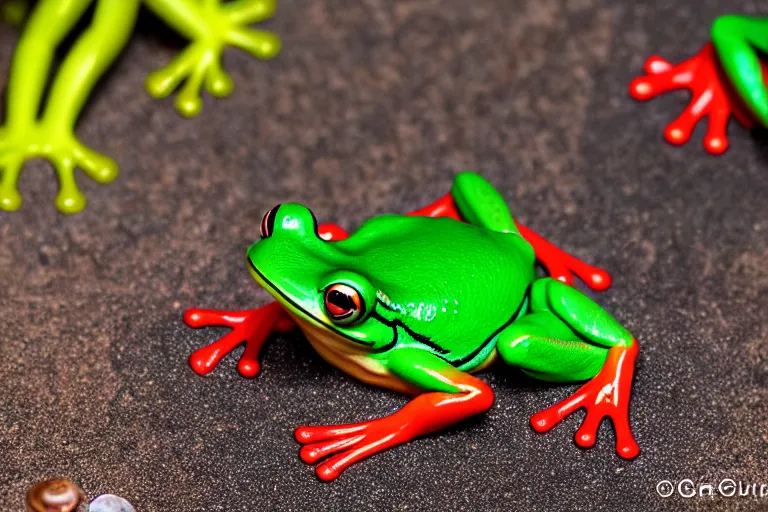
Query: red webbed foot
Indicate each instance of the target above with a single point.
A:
(252, 326)
(559, 264)
(345, 444)
(711, 96)
(606, 395)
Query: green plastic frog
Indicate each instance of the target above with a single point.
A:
(211, 25)
(417, 304)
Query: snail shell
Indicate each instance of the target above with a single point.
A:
(54, 496)
(110, 503)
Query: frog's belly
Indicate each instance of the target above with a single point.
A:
(351, 358)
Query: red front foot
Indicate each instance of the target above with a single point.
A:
(426, 413)
(711, 96)
(559, 264)
(607, 394)
(252, 326)
(354, 441)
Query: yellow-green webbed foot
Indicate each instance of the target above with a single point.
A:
(211, 25)
(63, 151)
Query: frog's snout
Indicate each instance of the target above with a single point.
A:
(288, 218)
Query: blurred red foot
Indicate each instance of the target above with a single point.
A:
(711, 96)
(607, 394)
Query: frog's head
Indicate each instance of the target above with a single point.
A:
(311, 277)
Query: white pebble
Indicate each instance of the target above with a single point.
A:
(110, 503)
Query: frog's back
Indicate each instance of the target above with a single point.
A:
(453, 285)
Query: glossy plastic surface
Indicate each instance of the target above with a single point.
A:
(211, 25)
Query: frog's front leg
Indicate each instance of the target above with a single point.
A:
(567, 337)
(448, 396)
(253, 327)
(211, 25)
(24, 137)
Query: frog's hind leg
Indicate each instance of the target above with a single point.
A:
(475, 200)
(50, 22)
(568, 338)
(89, 58)
(545, 348)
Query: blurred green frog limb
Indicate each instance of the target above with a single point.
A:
(13, 11)
(32, 130)
(741, 42)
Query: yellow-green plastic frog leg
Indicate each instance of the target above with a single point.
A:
(52, 137)
(211, 25)
(14, 11)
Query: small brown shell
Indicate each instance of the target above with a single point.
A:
(54, 496)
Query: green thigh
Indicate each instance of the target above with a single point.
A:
(546, 348)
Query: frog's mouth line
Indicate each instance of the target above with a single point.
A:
(291, 304)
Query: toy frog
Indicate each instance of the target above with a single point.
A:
(418, 303)
(211, 25)
(726, 78)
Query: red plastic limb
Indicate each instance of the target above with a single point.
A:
(427, 413)
(253, 327)
(331, 232)
(560, 265)
(607, 394)
(711, 96)
(443, 207)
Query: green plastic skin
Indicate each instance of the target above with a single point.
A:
(737, 40)
(436, 291)
(210, 25)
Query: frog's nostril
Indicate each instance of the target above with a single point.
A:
(267, 226)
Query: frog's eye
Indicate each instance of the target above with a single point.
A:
(267, 226)
(343, 303)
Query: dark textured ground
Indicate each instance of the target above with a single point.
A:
(372, 107)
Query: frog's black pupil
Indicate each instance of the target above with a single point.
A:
(342, 301)
(268, 223)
